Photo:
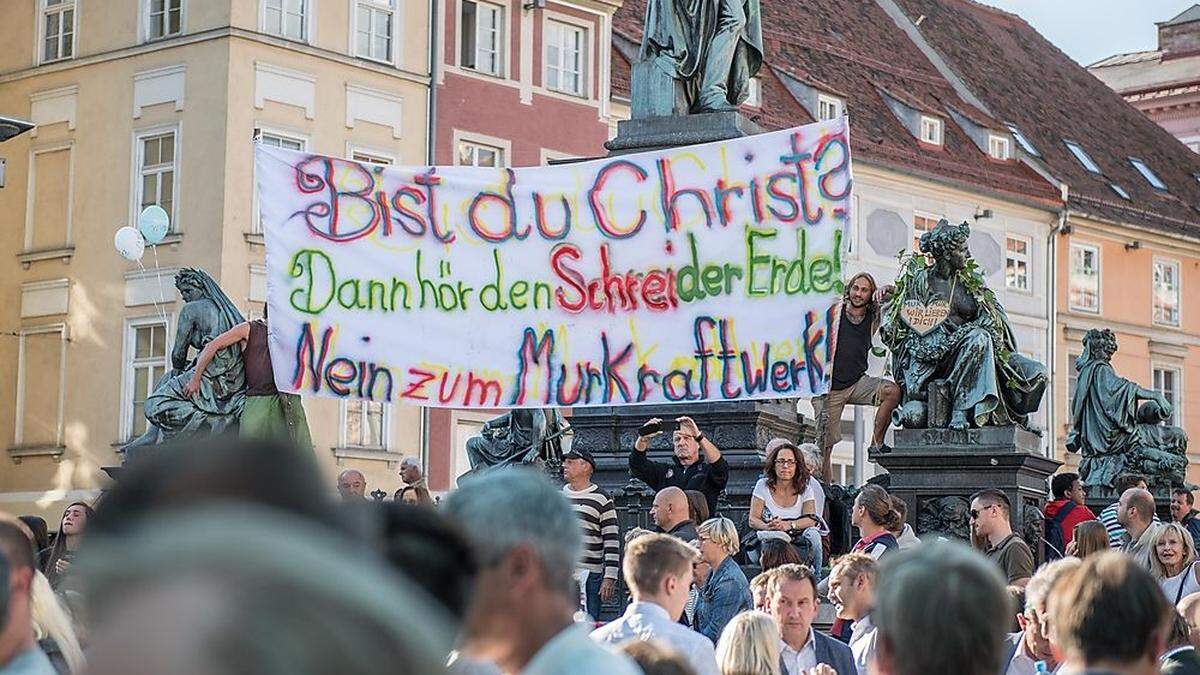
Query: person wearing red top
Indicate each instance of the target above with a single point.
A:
(1066, 488)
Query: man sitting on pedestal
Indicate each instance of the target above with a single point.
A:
(855, 322)
(688, 471)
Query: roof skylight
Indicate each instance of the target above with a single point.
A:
(1021, 140)
(1082, 156)
(1151, 177)
(1120, 192)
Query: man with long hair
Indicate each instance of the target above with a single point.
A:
(855, 322)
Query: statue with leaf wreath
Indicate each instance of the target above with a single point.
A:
(954, 354)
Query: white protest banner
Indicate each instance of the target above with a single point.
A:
(703, 273)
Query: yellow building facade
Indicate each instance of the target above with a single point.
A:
(141, 102)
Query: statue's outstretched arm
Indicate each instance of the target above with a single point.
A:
(235, 335)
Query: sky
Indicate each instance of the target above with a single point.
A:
(1089, 30)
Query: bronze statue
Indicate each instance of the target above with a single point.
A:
(711, 48)
(207, 312)
(953, 351)
(523, 436)
(1118, 427)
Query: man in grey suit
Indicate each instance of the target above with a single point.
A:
(793, 603)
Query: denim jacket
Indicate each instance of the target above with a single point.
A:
(724, 594)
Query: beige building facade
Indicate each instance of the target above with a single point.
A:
(141, 102)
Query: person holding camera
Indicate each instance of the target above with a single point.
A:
(688, 471)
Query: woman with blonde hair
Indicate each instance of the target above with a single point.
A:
(1173, 562)
(726, 591)
(53, 627)
(749, 645)
(1089, 538)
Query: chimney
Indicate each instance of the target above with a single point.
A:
(1180, 36)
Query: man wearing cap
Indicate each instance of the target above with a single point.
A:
(598, 517)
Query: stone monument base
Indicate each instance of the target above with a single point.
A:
(657, 132)
(935, 471)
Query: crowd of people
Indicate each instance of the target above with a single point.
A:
(192, 563)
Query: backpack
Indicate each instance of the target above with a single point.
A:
(1056, 540)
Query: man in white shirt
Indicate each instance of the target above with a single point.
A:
(793, 601)
(852, 590)
(658, 571)
(528, 540)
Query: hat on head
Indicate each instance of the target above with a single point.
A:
(581, 454)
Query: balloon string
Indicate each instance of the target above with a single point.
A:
(158, 278)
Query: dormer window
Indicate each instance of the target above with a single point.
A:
(828, 107)
(998, 147)
(1147, 173)
(1082, 156)
(1021, 140)
(931, 130)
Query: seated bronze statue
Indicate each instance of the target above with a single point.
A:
(523, 436)
(1117, 426)
(953, 351)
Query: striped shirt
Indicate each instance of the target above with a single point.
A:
(598, 516)
(1116, 533)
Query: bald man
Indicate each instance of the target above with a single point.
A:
(1135, 512)
(352, 485)
(670, 513)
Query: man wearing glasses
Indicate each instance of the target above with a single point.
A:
(990, 511)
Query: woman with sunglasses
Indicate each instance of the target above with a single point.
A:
(783, 505)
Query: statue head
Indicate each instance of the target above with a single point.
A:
(190, 284)
(948, 244)
(1098, 344)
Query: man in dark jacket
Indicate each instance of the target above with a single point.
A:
(689, 471)
(792, 594)
(1184, 513)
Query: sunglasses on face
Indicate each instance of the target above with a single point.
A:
(975, 512)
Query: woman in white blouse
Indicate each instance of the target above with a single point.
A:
(783, 504)
(1173, 562)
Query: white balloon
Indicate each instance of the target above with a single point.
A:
(153, 223)
(129, 243)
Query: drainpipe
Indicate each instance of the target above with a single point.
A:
(1052, 317)
(431, 99)
(430, 146)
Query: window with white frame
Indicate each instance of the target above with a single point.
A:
(276, 140)
(1166, 292)
(1166, 382)
(146, 362)
(156, 169)
(1084, 288)
(370, 158)
(286, 18)
(375, 29)
(471, 153)
(164, 18)
(931, 130)
(1016, 262)
(922, 223)
(828, 107)
(566, 47)
(480, 37)
(58, 30)
(365, 424)
(754, 93)
(998, 147)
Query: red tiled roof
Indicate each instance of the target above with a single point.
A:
(853, 49)
(1024, 79)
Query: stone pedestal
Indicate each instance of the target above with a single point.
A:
(935, 471)
(656, 132)
(739, 428)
